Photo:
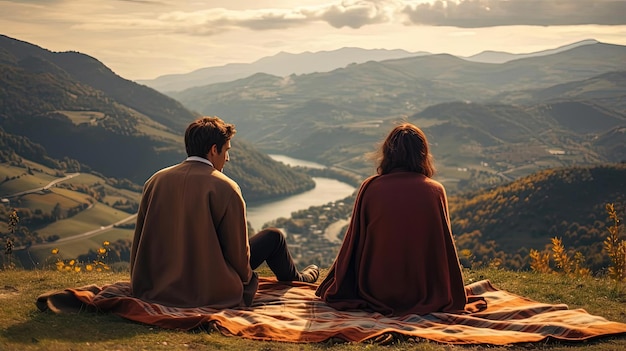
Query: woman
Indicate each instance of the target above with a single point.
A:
(398, 256)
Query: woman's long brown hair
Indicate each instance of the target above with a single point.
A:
(406, 147)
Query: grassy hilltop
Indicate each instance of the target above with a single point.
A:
(23, 327)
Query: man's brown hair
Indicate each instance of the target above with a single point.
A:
(205, 132)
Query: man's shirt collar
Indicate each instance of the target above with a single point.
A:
(199, 159)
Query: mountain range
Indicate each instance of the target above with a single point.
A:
(286, 64)
(551, 110)
(74, 107)
(491, 56)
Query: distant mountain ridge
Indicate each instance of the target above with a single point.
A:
(502, 57)
(281, 64)
(285, 64)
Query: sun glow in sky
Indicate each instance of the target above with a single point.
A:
(144, 39)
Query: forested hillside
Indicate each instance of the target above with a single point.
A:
(69, 108)
(14, 147)
(505, 222)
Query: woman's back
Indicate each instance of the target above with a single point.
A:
(398, 255)
(408, 263)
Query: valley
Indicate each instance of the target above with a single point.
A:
(77, 141)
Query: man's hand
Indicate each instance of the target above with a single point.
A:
(250, 289)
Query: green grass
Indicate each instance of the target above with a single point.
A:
(78, 117)
(23, 327)
(44, 258)
(89, 219)
(46, 202)
(85, 179)
(112, 235)
(93, 217)
(24, 182)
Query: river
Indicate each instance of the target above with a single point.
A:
(326, 190)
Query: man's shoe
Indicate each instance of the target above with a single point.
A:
(310, 274)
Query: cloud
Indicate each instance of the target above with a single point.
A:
(489, 13)
(353, 14)
(358, 13)
(215, 21)
(200, 18)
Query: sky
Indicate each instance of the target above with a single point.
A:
(144, 39)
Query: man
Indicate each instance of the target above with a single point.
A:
(191, 244)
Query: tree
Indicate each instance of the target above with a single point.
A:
(57, 212)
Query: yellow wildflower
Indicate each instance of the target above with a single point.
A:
(55, 251)
(89, 268)
(72, 262)
(102, 251)
(77, 269)
(466, 253)
(106, 243)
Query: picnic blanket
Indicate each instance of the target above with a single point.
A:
(291, 312)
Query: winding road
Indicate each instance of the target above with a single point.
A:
(69, 238)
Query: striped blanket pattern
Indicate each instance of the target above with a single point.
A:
(292, 313)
